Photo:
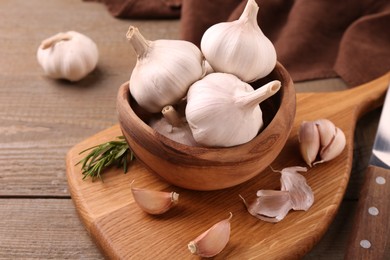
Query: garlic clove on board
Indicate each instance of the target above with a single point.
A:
(174, 127)
(240, 47)
(68, 55)
(320, 137)
(223, 111)
(154, 202)
(334, 148)
(309, 141)
(212, 241)
(326, 130)
(164, 70)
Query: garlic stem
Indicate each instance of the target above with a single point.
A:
(254, 98)
(139, 43)
(171, 115)
(49, 42)
(250, 12)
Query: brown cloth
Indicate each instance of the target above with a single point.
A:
(314, 39)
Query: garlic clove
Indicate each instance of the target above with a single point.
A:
(212, 241)
(164, 70)
(68, 55)
(222, 99)
(174, 127)
(154, 202)
(301, 195)
(333, 149)
(240, 47)
(309, 141)
(327, 131)
(270, 205)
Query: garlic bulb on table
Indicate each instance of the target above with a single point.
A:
(224, 111)
(70, 55)
(164, 70)
(240, 47)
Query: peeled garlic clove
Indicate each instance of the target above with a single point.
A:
(154, 202)
(270, 206)
(240, 47)
(326, 130)
(333, 149)
(301, 195)
(212, 241)
(70, 55)
(174, 127)
(164, 70)
(224, 111)
(309, 141)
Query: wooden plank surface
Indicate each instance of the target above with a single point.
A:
(41, 119)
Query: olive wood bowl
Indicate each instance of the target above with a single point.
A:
(202, 168)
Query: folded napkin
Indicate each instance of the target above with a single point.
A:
(314, 39)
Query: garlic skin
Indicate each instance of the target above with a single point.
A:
(273, 205)
(320, 137)
(223, 111)
(212, 241)
(164, 70)
(70, 55)
(240, 47)
(154, 202)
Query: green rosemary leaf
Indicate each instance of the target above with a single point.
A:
(104, 155)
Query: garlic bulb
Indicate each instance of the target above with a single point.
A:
(240, 47)
(154, 202)
(70, 55)
(164, 70)
(224, 111)
(212, 241)
(320, 137)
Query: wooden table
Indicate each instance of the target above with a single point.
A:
(41, 119)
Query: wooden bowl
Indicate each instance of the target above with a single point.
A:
(200, 168)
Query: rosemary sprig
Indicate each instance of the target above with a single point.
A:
(104, 155)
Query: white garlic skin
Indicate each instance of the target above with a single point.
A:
(223, 111)
(164, 70)
(240, 47)
(69, 55)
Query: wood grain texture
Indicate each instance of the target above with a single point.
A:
(43, 229)
(369, 237)
(122, 230)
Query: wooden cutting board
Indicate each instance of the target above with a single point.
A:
(122, 230)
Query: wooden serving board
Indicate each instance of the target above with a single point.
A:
(122, 230)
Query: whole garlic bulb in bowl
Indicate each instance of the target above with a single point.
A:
(68, 55)
(210, 168)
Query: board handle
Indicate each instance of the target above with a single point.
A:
(370, 235)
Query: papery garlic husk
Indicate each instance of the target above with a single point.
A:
(309, 141)
(224, 111)
(173, 126)
(334, 148)
(270, 205)
(68, 55)
(240, 47)
(212, 241)
(164, 70)
(273, 205)
(301, 195)
(154, 202)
